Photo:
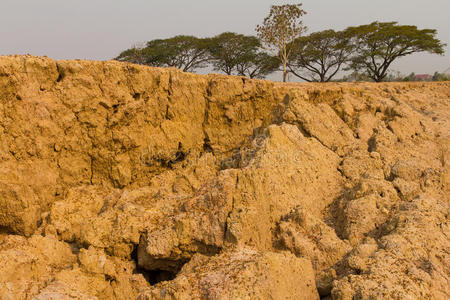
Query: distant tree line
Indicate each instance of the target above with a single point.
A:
(395, 76)
(280, 45)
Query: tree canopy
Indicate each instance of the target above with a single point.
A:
(258, 65)
(240, 54)
(379, 44)
(184, 52)
(320, 55)
(228, 49)
(134, 55)
(280, 28)
(367, 50)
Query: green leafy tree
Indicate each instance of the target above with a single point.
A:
(134, 55)
(229, 49)
(183, 52)
(379, 44)
(320, 55)
(280, 28)
(258, 65)
(240, 54)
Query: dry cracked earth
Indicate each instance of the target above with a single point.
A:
(120, 181)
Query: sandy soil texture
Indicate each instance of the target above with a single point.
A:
(120, 181)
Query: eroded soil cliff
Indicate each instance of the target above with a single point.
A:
(120, 182)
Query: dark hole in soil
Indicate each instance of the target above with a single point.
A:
(152, 276)
(5, 230)
(157, 276)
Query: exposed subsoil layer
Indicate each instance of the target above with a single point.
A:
(120, 181)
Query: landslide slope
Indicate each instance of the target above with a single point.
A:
(120, 181)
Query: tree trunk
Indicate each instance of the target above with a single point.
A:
(284, 71)
(379, 78)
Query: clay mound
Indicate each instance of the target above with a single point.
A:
(119, 181)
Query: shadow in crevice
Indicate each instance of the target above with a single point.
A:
(6, 230)
(179, 157)
(156, 276)
(207, 145)
(61, 73)
(152, 276)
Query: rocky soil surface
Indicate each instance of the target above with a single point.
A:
(119, 181)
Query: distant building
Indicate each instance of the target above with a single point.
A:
(423, 77)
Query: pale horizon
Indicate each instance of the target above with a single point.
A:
(100, 30)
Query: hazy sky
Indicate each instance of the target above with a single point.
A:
(100, 29)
